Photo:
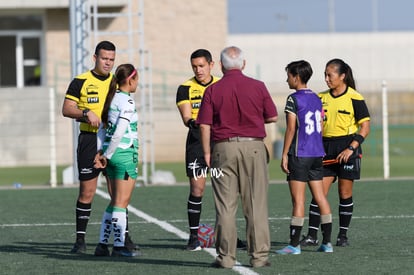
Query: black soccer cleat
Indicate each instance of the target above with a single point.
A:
(308, 241)
(124, 252)
(130, 244)
(240, 244)
(193, 243)
(342, 240)
(79, 247)
(102, 250)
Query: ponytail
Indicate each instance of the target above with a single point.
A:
(108, 100)
(122, 74)
(343, 68)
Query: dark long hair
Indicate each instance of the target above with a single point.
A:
(343, 68)
(122, 73)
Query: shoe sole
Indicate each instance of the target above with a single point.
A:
(290, 252)
(284, 253)
(198, 248)
(325, 251)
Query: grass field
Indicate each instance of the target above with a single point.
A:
(37, 225)
(401, 166)
(401, 157)
(37, 231)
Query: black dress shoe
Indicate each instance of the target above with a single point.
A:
(240, 244)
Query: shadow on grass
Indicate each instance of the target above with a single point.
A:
(61, 251)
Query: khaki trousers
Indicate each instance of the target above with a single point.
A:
(240, 169)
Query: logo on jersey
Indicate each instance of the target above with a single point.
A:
(92, 92)
(93, 99)
(196, 105)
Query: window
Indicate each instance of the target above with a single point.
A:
(20, 54)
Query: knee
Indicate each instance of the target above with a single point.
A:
(345, 193)
(86, 196)
(197, 188)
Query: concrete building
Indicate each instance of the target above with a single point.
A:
(35, 55)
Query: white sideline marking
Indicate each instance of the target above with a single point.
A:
(172, 229)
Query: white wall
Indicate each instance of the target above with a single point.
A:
(372, 56)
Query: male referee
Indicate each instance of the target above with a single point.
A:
(188, 100)
(84, 101)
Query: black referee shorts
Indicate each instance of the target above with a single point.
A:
(87, 148)
(194, 155)
(350, 170)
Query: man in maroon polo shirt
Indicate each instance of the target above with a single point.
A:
(233, 113)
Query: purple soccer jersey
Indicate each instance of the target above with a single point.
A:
(307, 107)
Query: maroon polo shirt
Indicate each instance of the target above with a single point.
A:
(236, 105)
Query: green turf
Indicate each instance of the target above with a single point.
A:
(37, 231)
(372, 167)
(401, 152)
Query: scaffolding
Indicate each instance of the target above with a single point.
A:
(86, 17)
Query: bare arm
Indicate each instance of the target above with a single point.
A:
(70, 109)
(205, 131)
(289, 134)
(185, 112)
(344, 156)
(271, 119)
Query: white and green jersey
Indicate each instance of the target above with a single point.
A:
(122, 125)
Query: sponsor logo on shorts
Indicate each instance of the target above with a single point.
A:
(349, 167)
(86, 171)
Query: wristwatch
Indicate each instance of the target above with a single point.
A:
(85, 113)
(351, 148)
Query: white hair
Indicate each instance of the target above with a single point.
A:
(232, 58)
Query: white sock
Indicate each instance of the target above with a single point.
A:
(106, 226)
(119, 226)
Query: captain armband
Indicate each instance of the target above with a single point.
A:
(359, 138)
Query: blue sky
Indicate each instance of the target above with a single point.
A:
(275, 16)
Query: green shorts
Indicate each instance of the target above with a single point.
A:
(123, 164)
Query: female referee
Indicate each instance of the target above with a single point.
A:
(346, 125)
